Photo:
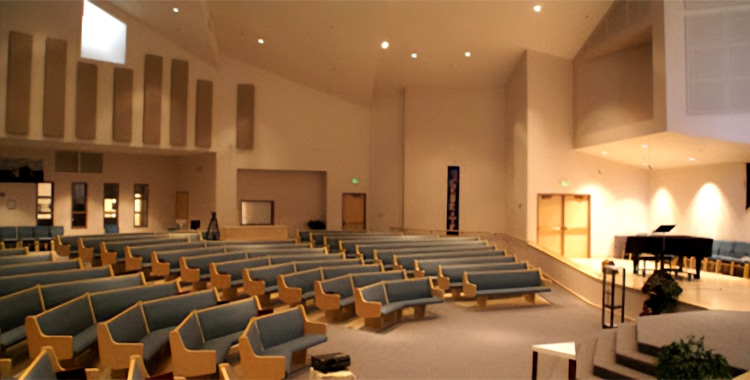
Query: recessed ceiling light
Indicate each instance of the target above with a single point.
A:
(385, 45)
(691, 159)
(644, 146)
(176, 10)
(261, 41)
(414, 55)
(467, 54)
(604, 153)
(537, 8)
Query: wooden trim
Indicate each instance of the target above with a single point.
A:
(18, 87)
(203, 113)
(152, 78)
(178, 103)
(245, 116)
(86, 83)
(55, 68)
(122, 107)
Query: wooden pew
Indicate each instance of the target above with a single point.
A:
(143, 329)
(201, 342)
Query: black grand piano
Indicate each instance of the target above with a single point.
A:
(677, 245)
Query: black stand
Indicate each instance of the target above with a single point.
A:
(609, 287)
(212, 233)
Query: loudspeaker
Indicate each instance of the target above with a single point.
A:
(330, 362)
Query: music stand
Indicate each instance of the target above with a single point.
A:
(663, 229)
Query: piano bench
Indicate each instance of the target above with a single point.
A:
(666, 261)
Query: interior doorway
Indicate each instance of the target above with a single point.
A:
(563, 224)
(353, 206)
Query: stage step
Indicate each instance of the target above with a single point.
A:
(605, 363)
(627, 353)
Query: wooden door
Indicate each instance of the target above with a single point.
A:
(353, 212)
(563, 224)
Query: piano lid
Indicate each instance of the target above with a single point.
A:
(664, 228)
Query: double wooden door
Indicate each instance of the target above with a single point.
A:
(563, 224)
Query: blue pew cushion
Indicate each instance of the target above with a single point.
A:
(154, 341)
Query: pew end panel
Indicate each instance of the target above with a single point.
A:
(219, 280)
(187, 358)
(255, 366)
(132, 263)
(159, 268)
(85, 253)
(188, 274)
(119, 337)
(60, 248)
(62, 345)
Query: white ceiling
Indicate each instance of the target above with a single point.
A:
(334, 46)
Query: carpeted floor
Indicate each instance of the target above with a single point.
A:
(456, 341)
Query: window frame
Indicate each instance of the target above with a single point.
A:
(73, 203)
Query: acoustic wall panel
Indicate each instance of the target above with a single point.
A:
(178, 103)
(122, 107)
(203, 113)
(55, 67)
(18, 95)
(152, 75)
(245, 115)
(86, 101)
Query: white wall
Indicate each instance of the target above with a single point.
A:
(706, 201)
(517, 151)
(449, 127)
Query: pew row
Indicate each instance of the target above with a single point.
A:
(450, 277)
(502, 284)
(428, 267)
(26, 259)
(39, 267)
(406, 261)
(70, 328)
(143, 329)
(299, 287)
(202, 340)
(381, 304)
(335, 295)
(273, 345)
(12, 284)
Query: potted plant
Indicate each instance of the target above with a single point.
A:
(662, 290)
(691, 360)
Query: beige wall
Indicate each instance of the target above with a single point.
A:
(448, 127)
(618, 193)
(517, 150)
(385, 202)
(23, 195)
(298, 196)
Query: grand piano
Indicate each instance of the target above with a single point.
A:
(660, 245)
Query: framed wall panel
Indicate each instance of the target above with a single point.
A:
(55, 68)
(86, 101)
(18, 96)
(203, 113)
(122, 107)
(178, 103)
(152, 76)
(245, 116)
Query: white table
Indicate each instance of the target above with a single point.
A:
(565, 350)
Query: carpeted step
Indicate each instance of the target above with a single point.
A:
(627, 353)
(605, 363)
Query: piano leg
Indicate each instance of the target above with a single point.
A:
(697, 269)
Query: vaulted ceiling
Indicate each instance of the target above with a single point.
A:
(335, 46)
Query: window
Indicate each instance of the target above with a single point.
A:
(111, 195)
(44, 203)
(79, 205)
(140, 205)
(103, 37)
(256, 213)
